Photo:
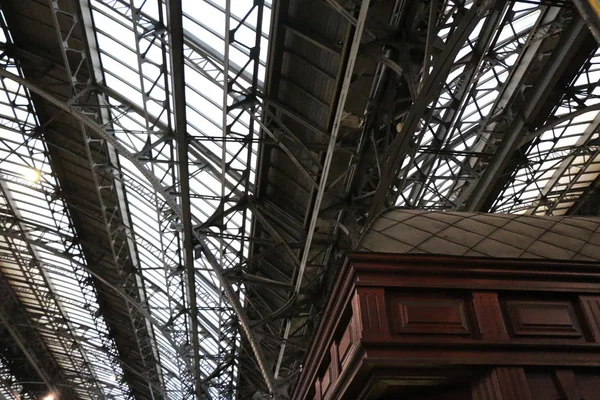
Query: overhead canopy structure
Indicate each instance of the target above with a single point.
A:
(180, 180)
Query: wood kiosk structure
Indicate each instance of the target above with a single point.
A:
(423, 326)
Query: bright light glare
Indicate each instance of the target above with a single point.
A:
(48, 397)
(33, 175)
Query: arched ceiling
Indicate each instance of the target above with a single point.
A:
(179, 180)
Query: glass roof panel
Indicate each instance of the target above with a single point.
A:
(443, 160)
(42, 259)
(564, 157)
(135, 61)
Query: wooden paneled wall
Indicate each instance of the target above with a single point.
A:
(502, 327)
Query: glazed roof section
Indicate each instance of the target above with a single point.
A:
(458, 131)
(41, 257)
(561, 161)
(136, 66)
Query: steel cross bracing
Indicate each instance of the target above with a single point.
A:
(226, 166)
(11, 388)
(520, 27)
(174, 374)
(138, 307)
(562, 161)
(458, 35)
(156, 298)
(65, 319)
(38, 287)
(129, 109)
(116, 222)
(216, 363)
(138, 187)
(526, 47)
(68, 372)
(440, 169)
(505, 146)
(242, 102)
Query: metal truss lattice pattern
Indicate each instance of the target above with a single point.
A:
(173, 207)
(482, 82)
(194, 340)
(562, 162)
(43, 262)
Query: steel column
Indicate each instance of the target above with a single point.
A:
(175, 21)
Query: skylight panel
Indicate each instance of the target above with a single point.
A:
(204, 116)
(466, 110)
(563, 155)
(50, 285)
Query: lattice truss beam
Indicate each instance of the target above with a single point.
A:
(49, 304)
(220, 284)
(187, 342)
(486, 110)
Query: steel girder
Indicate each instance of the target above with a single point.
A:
(135, 187)
(221, 233)
(299, 153)
(509, 143)
(48, 313)
(405, 142)
(323, 182)
(107, 217)
(78, 69)
(558, 168)
(14, 319)
(175, 22)
(454, 132)
(590, 15)
(247, 104)
(36, 317)
(464, 133)
(342, 210)
(161, 189)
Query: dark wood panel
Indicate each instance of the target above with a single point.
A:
(397, 323)
(543, 318)
(429, 315)
(567, 384)
(345, 343)
(373, 312)
(502, 384)
(564, 384)
(489, 316)
(591, 310)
